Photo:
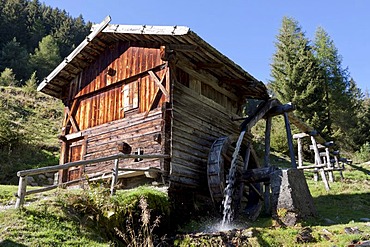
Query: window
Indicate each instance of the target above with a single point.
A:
(131, 96)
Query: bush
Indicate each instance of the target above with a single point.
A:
(363, 154)
(130, 217)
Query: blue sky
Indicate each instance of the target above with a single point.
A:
(245, 30)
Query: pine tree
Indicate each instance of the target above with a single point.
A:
(296, 76)
(14, 55)
(338, 100)
(7, 78)
(31, 85)
(46, 57)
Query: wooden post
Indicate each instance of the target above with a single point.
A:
(267, 164)
(331, 176)
(290, 140)
(114, 177)
(22, 186)
(300, 159)
(318, 162)
(337, 164)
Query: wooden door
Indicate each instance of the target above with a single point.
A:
(75, 153)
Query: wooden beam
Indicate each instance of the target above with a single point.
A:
(209, 65)
(72, 120)
(182, 47)
(159, 82)
(290, 140)
(36, 171)
(157, 95)
(280, 109)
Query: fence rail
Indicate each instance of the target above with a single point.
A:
(22, 186)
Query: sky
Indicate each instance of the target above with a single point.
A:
(245, 30)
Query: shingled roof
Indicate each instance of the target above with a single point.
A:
(187, 43)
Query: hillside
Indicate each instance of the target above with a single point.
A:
(29, 125)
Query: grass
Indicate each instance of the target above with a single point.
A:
(340, 212)
(44, 223)
(29, 125)
(342, 207)
(59, 219)
(82, 217)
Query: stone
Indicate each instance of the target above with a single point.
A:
(30, 180)
(41, 176)
(50, 181)
(49, 175)
(291, 199)
(365, 219)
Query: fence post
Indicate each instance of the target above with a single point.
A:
(114, 177)
(21, 191)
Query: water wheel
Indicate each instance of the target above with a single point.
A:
(246, 197)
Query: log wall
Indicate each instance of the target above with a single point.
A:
(201, 114)
(137, 130)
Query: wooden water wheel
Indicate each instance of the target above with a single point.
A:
(246, 198)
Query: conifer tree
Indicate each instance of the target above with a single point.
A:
(46, 57)
(296, 76)
(338, 100)
(14, 55)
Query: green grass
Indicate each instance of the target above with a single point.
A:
(43, 223)
(60, 219)
(29, 125)
(343, 206)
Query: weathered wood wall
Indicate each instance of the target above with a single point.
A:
(98, 96)
(116, 99)
(201, 114)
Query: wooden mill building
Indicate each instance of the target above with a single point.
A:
(160, 89)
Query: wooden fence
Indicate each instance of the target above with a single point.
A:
(22, 186)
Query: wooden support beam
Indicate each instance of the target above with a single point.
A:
(21, 191)
(157, 94)
(318, 162)
(114, 177)
(300, 152)
(267, 164)
(209, 65)
(159, 83)
(300, 135)
(280, 109)
(290, 140)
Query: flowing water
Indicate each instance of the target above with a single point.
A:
(229, 190)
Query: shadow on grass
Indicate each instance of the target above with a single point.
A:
(359, 168)
(10, 243)
(341, 209)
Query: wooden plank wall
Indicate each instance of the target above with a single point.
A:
(135, 130)
(197, 122)
(100, 98)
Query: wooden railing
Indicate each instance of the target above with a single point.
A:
(22, 186)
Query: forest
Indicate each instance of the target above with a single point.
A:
(34, 38)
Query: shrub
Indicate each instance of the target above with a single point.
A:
(129, 217)
(363, 154)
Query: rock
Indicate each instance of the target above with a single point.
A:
(291, 198)
(365, 219)
(30, 180)
(305, 236)
(41, 176)
(49, 175)
(50, 181)
(352, 230)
